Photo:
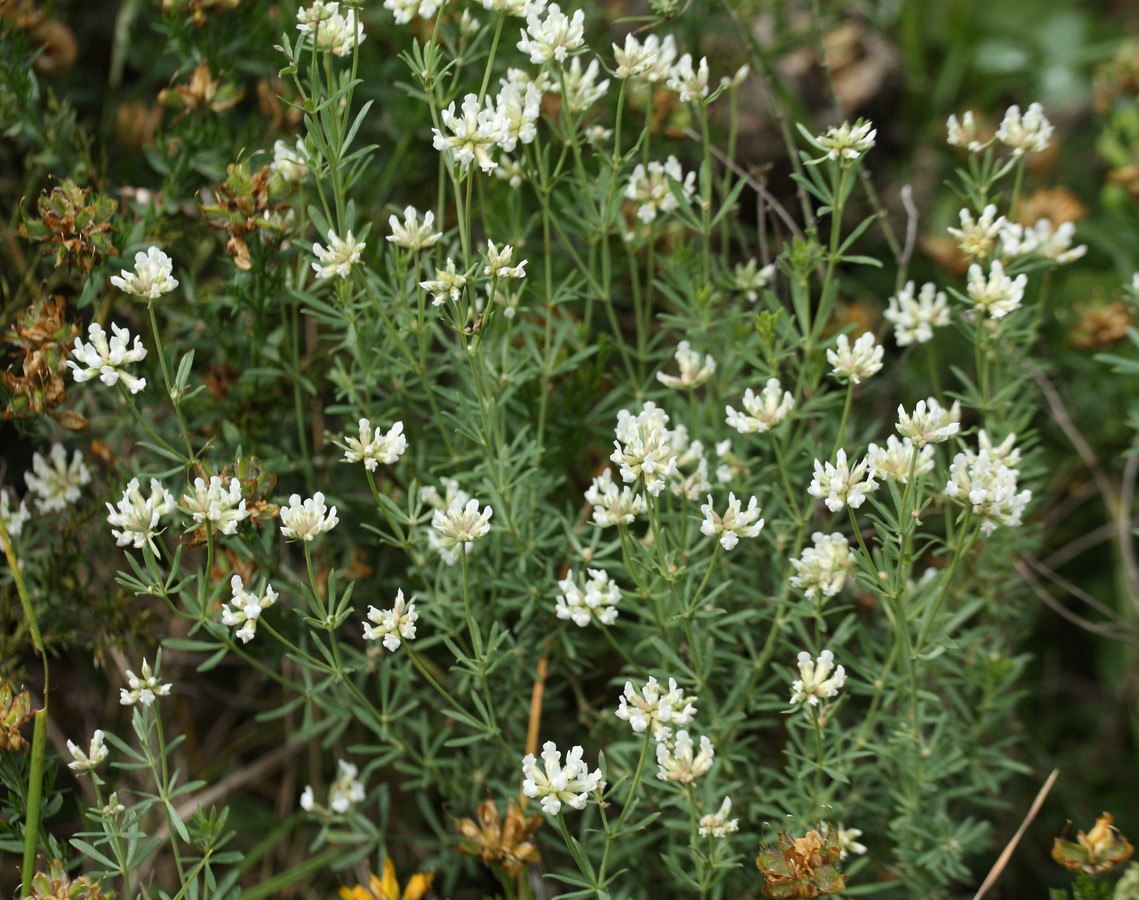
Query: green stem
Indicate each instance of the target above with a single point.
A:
(168, 379)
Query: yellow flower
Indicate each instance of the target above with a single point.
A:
(1100, 850)
(388, 887)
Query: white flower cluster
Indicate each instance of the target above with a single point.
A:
(582, 89)
(14, 519)
(694, 370)
(838, 485)
(654, 708)
(303, 520)
(223, 507)
(651, 60)
(500, 263)
(245, 608)
(691, 479)
(134, 522)
(930, 423)
(823, 568)
(346, 791)
(598, 602)
(151, 278)
(411, 234)
(995, 294)
(986, 481)
(554, 784)
(373, 447)
(748, 279)
(457, 527)
(328, 29)
(144, 688)
(896, 458)
(1027, 133)
(679, 761)
(643, 447)
(613, 505)
(105, 359)
(914, 318)
(54, 482)
(553, 37)
(1042, 240)
(394, 625)
(856, 363)
(818, 679)
(651, 188)
(762, 412)
(337, 259)
(446, 285)
(290, 163)
(690, 83)
(978, 238)
(844, 143)
(89, 761)
(717, 824)
(734, 524)
(472, 135)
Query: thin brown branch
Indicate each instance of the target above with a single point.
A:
(1006, 854)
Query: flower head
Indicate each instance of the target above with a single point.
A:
(14, 519)
(329, 29)
(717, 824)
(1029, 133)
(460, 525)
(412, 234)
(472, 135)
(643, 447)
(304, 520)
(244, 609)
(651, 707)
(749, 279)
(598, 602)
(691, 84)
(839, 485)
(89, 761)
(582, 89)
(855, 364)
(816, 681)
(53, 481)
(151, 277)
(694, 370)
(897, 459)
(346, 790)
(977, 238)
(517, 108)
(447, 285)
(963, 132)
(998, 294)
(651, 188)
(678, 760)
(499, 262)
(553, 37)
(929, 423)
(845, 143)
(1042, 240)
(338, 258)
(143, 688)
(222, 506)
(290, 163)
(734, 524)
(496, 841)
(394, 625)
(762, 411)
(374, 447)
(651, 60)
(556, 784)
(105, 359)
(134, 522)
(986, 482)
(822, 569)
(613, 505)
(915, 318)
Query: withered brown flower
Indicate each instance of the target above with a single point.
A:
(802, 867)
(74, 224)
(42, 333)
(15, 712)
(201, 94)
(1100, 850)
(497, 842)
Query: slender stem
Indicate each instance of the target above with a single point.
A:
(168, 379)
(630, 800)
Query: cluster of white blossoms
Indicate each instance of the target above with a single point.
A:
(613, 504)
(346, 791)
(597, 603)
(929, 423)
(290, 163)
(914, 318)
(749, 279)
(135, 520)
(329, 29)
(392, 626)
(895, 460)
(735, 522)
(152, 276)
(446, 285)
(823, 568)
(472, 135)
(87, 762)
(839, 484)
(458, 526)
(103, 359)
(996, 294)
(411, 234)
(978, 238)
(245, 608)
(762, 411)
(337, 259)
(54, 482)
(14, 519)
(214, 502)
(717, 824)
(678, 759)
(690, 83)
(653, 708)
(500, 263)
(1042, 240)
(406, 10)
(855, 363)
(582, 89)
(986, 481)
(691, 479)
(144, 688)
(554, 784)
(643, 447)
(373, 446)
(694, 369)
(818, 679)
(552, 37)
(651, 187)
(651, 59)
(303, 520)
(1027, 133)
(843, 143)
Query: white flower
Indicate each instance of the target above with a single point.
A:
(857, 363)
(105, 359)
(499, 262)
(134, 522)
(653, 59)
(142, 689)
(89, 761)
(307, 800)
(986, 482)
(1042, 240)
(406, 10)
(151, 277)
(553, 37)
(613, 505)
(749, 279)
(245, 608)
(734, 524)
(447, 285)
(374, 447)
(694, 484)
(651, 187)
(518, 107)
(997, 295)
(642, 448)
(848, 842)
(718, 824)
(520, 8)
(556, 784)
(838, 484)
(390, 625)
(678, 760)
(650, 707)
(346, 791)
(915, 319)
(690, 84)
(304, 520)
(14, 521)
(930, 423)
(1027, 134)
(894, 460)
(54, 482)
(761, 412)
(338, 258)
(461, 524)
(289, 164)
(410, 233)
(597, 602)
(962, 133)
(329, 29)
(977, 238)
(216, 503)
(582, 89)
(472, 135)
(822, 569)
(694, 371)
(815, 680)
(845, 142)
(112, 807)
